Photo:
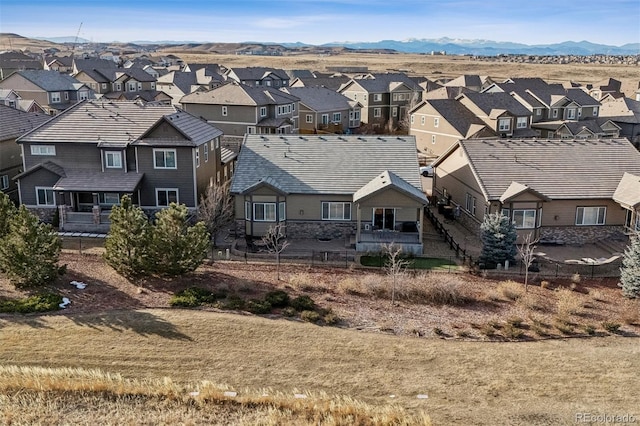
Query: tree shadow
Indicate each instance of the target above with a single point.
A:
(31, 320)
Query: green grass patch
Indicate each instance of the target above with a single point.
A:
(412, 262)
(44, 302)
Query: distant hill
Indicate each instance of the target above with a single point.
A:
(10, 41)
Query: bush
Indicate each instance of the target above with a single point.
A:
(564, 327)
(590, 330)
(277, 298)
(330, 318)
(349, 285)
(310, 316)
(568, 302)
(289, 312)
(611, 326)
(195, 296)
(488, 330)
(258, 307)
(303, 303)
(515, 322)
(303, 281)
(511, 290)
(234, 303)
(512, 332)
(38, 303)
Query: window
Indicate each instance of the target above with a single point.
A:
(118, 87)
(4, 181)
(164, 159)
(377, 112)
(247, 210)
(264, 212)
(595, 111)
(206, 153)
(436, 121)
(522, 123)
(394, 112)
(470, 204)
(336, 211)
(325, 118)
(433, 139)
(377, 97)
(104, 85)
(132, 86)
(263, 111)
(504, 124)
(44, 196)
(43, 150)
(251, 129)
(268, 83)
(282, 211)
(139, 86)
(197, 157)
(337, 117)
(413, 118)
(55, 97)
(571, 113)
(309, 118)
(153, 85)
(166, 196)
(83, 96)
(591, 215)
(217, 143)
(224, 110)
(422, 120)
(579, 112)
(109, 198)
(538, 111)
(524, 219)
(555, 113)
(113, 159)
(66, 96)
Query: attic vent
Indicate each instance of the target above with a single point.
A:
(360, 138)
(381, 139)
(322, 138)
(303, 138)
(341, 138)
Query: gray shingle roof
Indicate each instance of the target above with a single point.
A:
(50, 81)
(330, 164)
(456, 114)
(91, 64)
(239, 94)
(489, 102)
(628, 191)
(196, 130)
(319, 98)
(624, 110)
(557, 168)
(91, 180)
(386, 180)
(332, 83)
(14, 122)
(384, 83)
(257, 73)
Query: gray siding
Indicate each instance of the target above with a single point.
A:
(182, 177)
(72, 155)
(42, 178)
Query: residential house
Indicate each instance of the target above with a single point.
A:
(178, 84)
(63, 64)
(53, 91)
(445, 92)
(624, 113)
(83, 64)
(437, 124)
(83, 160)
(9, 97)
(548, 187)
(363, 189)
(237, 109)
(144, 96)
(610, 86)
(331, 82)
(13, 124)
(107, 80)
(324, 110)
(258, 76)
(474, 83)
(501, 112)
(384, 97)
(13, 61)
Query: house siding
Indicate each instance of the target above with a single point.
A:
(182, 177)
(41, 178)
(72, 155)
(233, 124)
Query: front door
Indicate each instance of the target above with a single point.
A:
(384, 218)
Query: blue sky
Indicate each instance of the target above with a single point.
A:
(614, 22)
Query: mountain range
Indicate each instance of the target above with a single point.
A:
(444, 44)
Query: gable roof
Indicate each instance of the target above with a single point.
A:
(457, 115)
(624, 110)
(628, 191)
(256, 73)
(492, 102)
(234, 93)
(516, 189)
(557, 168)
(330, 164)
(319, 98)
(195, 130)
(467, 81)
(14, 122)
(383, 82)
(386, 180)
(50, 81)
(332, 83)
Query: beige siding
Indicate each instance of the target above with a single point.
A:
(563, 212)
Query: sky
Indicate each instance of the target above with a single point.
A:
(612, 22)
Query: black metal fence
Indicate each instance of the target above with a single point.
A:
(448, 238)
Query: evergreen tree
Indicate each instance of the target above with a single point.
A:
(630, 270)
(176, 247)
(29, 251)
(7, 210)
(498, 235)
(127, 244)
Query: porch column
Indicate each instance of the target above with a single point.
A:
(420, 222)
(62, 211)
(96, 209)
(358, 225)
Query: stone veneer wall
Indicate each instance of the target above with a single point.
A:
(576, 235)
(310, 229)
(44, 214)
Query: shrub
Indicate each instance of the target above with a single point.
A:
(488, 330)
(515, 322)
(590, 330)
(303, 281)
(568, 302)
(512, 332)
(611, 326)
(303, 303)
(277, 298)
(463, 334)
(539, 331)
(350, 285)
(511, 290)
(289, 312)
(310, 316)
(258, 307)
(597, 295)
(448, 291)
(438, 331)
(234, 302)
(376, 285)
(563, 327)
(43, 302)
(544, 284)
(532, 301)
(330, 318)
(195, 296)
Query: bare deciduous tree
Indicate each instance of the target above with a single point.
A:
(216, 211)
(276, 242)
(395, 266)
(526, 251)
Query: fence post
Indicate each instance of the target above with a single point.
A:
(346, 259)
(80, 247)
(313, 255)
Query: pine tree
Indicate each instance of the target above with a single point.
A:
(7, 210)
(176, 247)
(630, 270)
(498, 235)
(29, 252)
(127, 244)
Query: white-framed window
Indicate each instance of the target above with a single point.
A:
(356, 115)
(470, 204)
(45, 196)
(268, 83)
(55, 97)
(263, 111)
(436, 121)
(104, 85)
(4, 181)
(251, 129)
(264, 212)
(377, 97)
(538, 111)
(247, 210)
(337, 117)
(153, 85)
(579, 112)
(113, 159)
(591, 215)
(555, 113)
(521, 122)
(224, 110)
(164, 159)
(109, 198)
(43, 150)
(394, 112)
(365, 96)
(433, 139)
(139, 86)
(66, 96)
(83, 95)
(132, 86)
(336, 210)
(282, 211)
(197, 157)
(504, 124)
(293, 107)
(571, 113)
(217, 141)
(166, 196)
(309, 118)
(413, 118)
(206, 153)
(524, 218)
(325, 118)
(595, 111)
(377, 112)
(422, 120)
(118, 87)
